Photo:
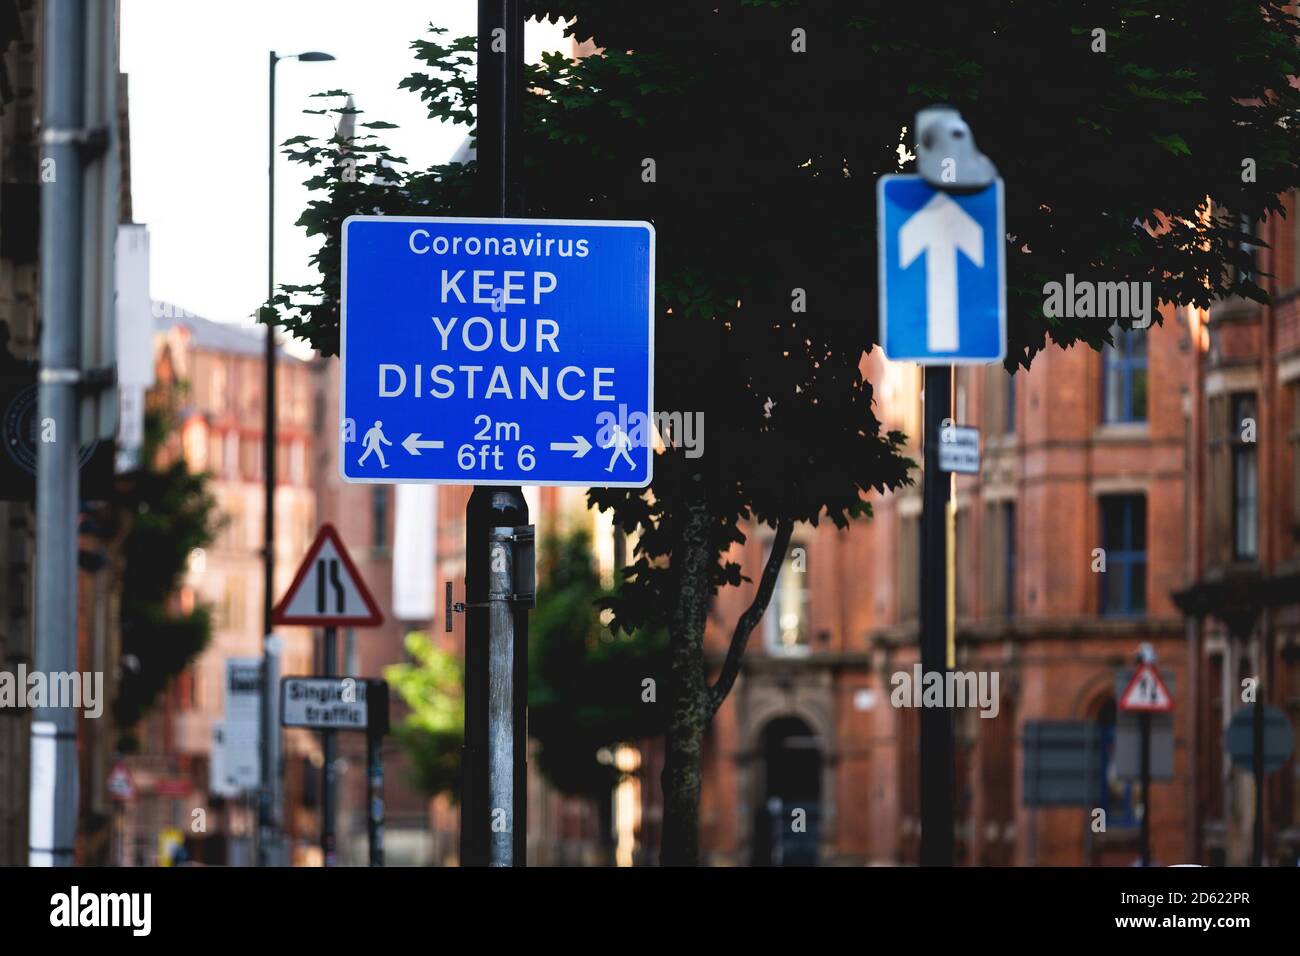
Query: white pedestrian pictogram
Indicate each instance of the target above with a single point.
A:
(372, 440)
(620, 442)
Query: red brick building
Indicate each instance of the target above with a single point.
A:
(213, 373)
(1087, 451)
(1243, 603)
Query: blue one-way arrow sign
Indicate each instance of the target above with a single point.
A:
(942, 273)
(497, 351)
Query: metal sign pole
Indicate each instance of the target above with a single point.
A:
(501, 651)
(500, 73)
(329, 746)
(1257, 769)
(953, 208)
(375, 797)
(936, 722)
(52, 824)
(1145, 719)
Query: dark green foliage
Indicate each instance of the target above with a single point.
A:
(167, 512)
(585, 683)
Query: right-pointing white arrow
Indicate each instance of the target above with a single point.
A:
(413, 444)
(939, 229)
(579, 446)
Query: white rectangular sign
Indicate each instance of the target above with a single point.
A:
(240, 760)
(323, 703)
(959, 449)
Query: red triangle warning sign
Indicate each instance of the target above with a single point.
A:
(1146, 691)
(328, 590)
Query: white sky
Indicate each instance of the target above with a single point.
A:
(198, 104)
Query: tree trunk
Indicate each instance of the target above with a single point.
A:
(688, 689)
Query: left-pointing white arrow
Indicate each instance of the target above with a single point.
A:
(939, 229)
(413, 444)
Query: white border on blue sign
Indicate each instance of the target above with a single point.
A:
(883, 292)
(468, 480)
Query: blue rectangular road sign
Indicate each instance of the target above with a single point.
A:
(942, 273)
(497, 351)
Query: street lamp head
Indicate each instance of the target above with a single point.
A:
(314, 57)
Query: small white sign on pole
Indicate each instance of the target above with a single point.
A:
(323, 703)
(959, 449)
(240, 767)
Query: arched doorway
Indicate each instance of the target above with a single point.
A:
(787, 819)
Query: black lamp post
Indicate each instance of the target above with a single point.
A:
(266, 815)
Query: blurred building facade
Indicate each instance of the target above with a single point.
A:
(211, 374)
(1087, 451)
(1243, 600)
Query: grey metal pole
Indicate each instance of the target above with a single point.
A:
(1145, 826)
(501, 663)
(1257, 771)
(375, 794)
(329, 745)
(267, 807)
(936, 722)
(52, 823)
(271, 753)
(500, 80)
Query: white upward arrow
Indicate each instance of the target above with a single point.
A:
(939, 229)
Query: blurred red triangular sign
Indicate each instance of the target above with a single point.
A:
(1146, 691)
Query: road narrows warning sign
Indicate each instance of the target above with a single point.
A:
(1146, 691)
(328, 590)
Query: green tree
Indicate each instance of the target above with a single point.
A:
(752, 132)
(166, 511)
(432, 685)
(587, 685)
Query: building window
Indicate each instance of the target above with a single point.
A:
(1218, 497)
(297, 462)
(1009, 558)
(1124, 543)
(250, 458)
(786, 623)
(1245, 479)
(234, 529)
(1010, 424)
(379, 517)
(231, 610)
(1124, 377)
(1000, 559)
(999, 401)
(1294, 218)
(230, 458)
(909, 556)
